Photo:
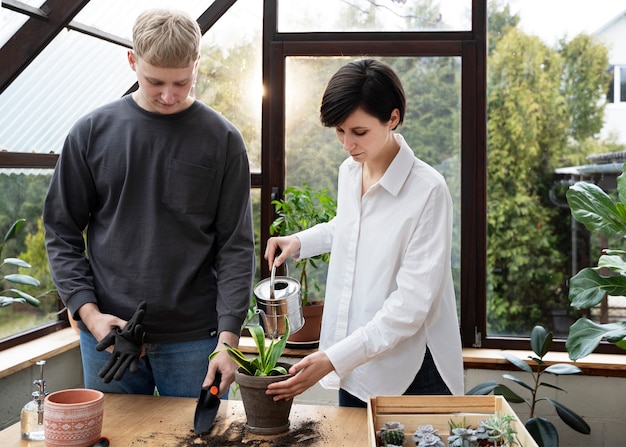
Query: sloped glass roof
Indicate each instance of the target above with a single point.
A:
(42, 103)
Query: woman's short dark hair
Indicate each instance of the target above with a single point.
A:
(367, 84)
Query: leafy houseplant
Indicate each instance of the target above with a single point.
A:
(12, 294)
(594, 208)
(541, 429)
(303, 208)
(266, 364)
(264, 415)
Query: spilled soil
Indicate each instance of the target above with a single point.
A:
(302, 434)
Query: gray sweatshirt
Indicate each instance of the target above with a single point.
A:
(165, 200)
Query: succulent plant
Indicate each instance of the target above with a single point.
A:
(422, 431)
(430, 440)
(466, 437)
(392, 434)
(499, 429)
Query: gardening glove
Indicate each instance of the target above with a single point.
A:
(127, 344)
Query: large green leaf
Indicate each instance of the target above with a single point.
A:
(562, 368)
(572, 419)
(17, 262)
(540, 340)
(588, 288)
(518, 381)
(508, 394)
(521, 364)
(14, 229)
(585, 335)
(483, 388)
(17, 278)
(543, 432)
(613, 262)
(592, 207)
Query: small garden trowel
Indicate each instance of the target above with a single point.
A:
(207, 406)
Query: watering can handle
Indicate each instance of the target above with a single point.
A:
(272, 278)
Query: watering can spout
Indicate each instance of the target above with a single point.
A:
(270, 324)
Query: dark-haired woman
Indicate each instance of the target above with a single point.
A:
(390, 323)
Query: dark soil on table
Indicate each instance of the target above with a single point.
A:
(303, 434)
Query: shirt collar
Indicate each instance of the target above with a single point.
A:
(399, 169)
(397, 172)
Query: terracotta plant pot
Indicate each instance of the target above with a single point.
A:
(73, 417)
(264, 415)
(309, 335)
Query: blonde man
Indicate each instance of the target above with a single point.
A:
(161, 184)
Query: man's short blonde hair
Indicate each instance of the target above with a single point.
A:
(166, 38)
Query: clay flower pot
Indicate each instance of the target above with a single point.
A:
(73, 417)
(264, 415)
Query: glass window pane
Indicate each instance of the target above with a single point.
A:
(366, 15)
(230, 74)
(431, 125)
(546, 92)
(622, 84)
(73, 75)
(117, 16)
(21, 197)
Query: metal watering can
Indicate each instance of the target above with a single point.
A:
(277, 297)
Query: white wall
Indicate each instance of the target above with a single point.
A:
(61, 372)
(601, 401)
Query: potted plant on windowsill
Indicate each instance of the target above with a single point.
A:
(301, 208)
(595, 209)
(264, 415)
(12, 294)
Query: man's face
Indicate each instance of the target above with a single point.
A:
(162, 90)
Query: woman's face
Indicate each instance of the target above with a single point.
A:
(366, 139)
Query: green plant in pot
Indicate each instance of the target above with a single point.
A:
(12, 294)
(302, 208)
(594, 208)
(264, 415)
(542, 430)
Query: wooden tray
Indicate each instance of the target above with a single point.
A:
(413, 411)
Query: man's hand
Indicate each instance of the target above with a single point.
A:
(222, 363)
(127, 344)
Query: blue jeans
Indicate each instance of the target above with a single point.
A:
(171, 369)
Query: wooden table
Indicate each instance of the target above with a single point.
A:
(148, 421)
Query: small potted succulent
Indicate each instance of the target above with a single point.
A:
(391, 434)
(427, 436)
(264, 415)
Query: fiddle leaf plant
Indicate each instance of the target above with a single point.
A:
(595, 209)
(301, 209)
(541, 429)
(265, 364)
(12, 294)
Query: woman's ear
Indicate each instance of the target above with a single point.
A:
(394, 119)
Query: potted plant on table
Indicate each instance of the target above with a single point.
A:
(594, 208)
(264, 415)
(301, 208)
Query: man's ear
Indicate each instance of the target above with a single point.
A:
(130, 55)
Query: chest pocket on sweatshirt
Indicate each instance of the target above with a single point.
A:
(188, 187)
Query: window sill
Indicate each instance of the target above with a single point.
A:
(607, 365)
(28, 354)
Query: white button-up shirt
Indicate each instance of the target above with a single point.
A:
(389, 290)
